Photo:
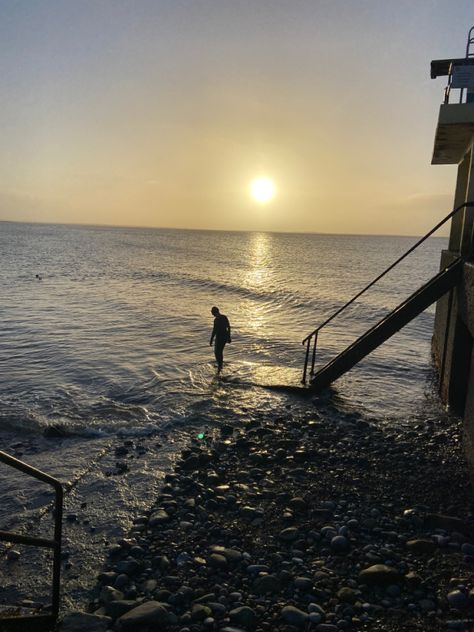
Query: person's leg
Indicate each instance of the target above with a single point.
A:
(219, 353)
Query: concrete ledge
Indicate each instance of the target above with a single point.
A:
(454, 132)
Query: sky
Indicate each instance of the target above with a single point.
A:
(161, 112)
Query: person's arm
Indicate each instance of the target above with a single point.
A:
(228, 331)
(212, 335)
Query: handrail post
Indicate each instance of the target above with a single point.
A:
(308, 342)
(58, 523)
(313, 359)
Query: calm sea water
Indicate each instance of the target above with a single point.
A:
(112, 347)
(115, 337)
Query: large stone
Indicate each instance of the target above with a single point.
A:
(340, 545)
(108, 594)
(116, 609)
(347, 595)
(158, 518)
(205, 598)
(217, 561)
(303, 583)
(148, 613)
(80, 621)
(421, 545)
(289, 534)
(379, 574)
(129, 566)
(244, 616)
(412, 579)
(294, 616)
(297, 504)
(249, 513)
(199, 612)
(191, 463)
(448, 523)
(231, 555)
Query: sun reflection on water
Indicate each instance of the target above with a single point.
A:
(256, 278)
(258, 271)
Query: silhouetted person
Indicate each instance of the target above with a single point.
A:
(221, 334)
(39, 277)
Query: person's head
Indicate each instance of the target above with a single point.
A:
(214, 311)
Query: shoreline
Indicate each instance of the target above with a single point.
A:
(322, 523)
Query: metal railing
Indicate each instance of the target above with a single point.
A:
(54, 544)
(468, 60)
(313, 336)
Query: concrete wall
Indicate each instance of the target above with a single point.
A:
(453, 349)
(454, 321)
(443, 336)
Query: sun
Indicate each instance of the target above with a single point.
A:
(262, 189)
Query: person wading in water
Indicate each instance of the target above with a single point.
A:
(221, 334)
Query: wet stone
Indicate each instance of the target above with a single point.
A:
(379, 574)
(199, 612)
(116, 609)
(420, 545)
(217, 561)
(110, 594)
(108, 578)
(128, 567)
(294, 616)
(297, 505)
(158, 518)
(289, 534)
(231, 555)
(347, 595)
(80, 621)
(150, 613)
(243, 616)
(208, 597)
(303, 583)
(340, 545)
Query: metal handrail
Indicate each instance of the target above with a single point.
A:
(314, 334)
(55, 543)
(468, 58)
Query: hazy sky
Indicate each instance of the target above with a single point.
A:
(160, 112)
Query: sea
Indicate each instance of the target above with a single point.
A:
(104, 343)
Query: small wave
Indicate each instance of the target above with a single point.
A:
(278, 296)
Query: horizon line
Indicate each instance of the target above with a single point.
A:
(214, 230)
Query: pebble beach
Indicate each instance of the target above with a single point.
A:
(322, 523)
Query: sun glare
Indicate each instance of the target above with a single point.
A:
(262, 189)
